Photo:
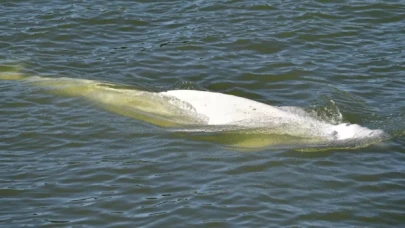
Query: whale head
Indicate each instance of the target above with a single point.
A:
(354, 131)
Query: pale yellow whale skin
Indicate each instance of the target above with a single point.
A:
(240, 122)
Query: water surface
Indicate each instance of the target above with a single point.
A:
(66, 162)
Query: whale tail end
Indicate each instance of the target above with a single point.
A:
(11, 76)
(12, 73)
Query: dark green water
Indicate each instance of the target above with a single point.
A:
(64, 162)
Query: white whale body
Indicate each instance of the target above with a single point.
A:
(223, 109)
(255, 124)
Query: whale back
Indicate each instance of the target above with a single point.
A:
(222, 109)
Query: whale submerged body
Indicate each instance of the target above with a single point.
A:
(256, 124)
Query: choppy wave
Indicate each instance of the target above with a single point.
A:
(65, 162)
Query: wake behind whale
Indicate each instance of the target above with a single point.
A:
(227, 119)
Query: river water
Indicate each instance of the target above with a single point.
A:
(65, 162)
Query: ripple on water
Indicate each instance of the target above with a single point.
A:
(65, 162)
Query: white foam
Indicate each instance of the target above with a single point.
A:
(355, 131)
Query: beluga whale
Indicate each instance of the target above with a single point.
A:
(234, 121)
